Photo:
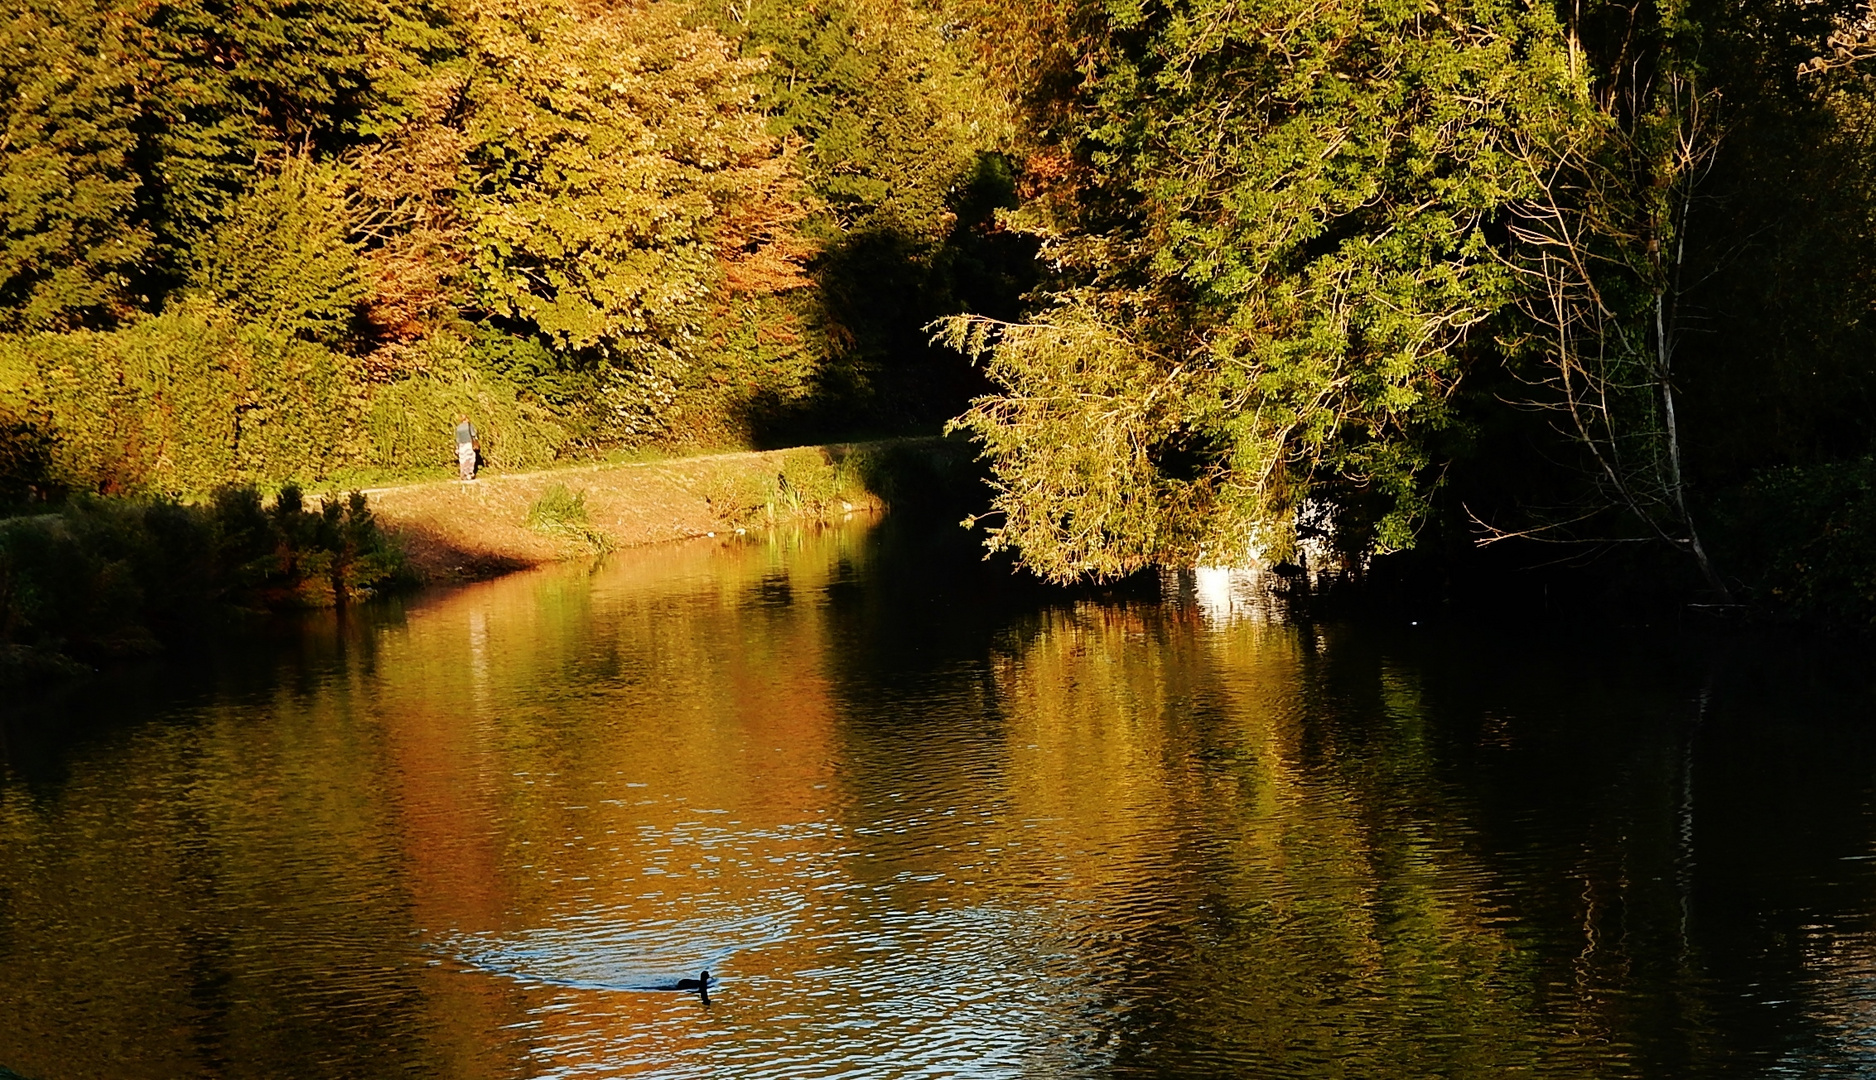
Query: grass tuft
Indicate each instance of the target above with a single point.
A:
(561, 511)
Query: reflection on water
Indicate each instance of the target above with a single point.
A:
(920, 820)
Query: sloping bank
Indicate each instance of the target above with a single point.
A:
(454, 531)
(102, 579)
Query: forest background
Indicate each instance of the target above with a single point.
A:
(1416, 291)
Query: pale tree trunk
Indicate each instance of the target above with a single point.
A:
(1607, 196)
(1666, 340)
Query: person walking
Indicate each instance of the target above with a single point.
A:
(467, 447)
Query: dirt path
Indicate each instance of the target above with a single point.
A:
(464, 531)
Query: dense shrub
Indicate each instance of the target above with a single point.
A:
(1808, 536)
(178, 404)
(102, 577)
(410, 421)
(181, 402)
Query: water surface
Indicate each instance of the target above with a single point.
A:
(924, 821)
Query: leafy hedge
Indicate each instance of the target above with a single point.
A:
(180, 403)
(410, 420)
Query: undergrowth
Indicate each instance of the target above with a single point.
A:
(560, 511)
(102, 578)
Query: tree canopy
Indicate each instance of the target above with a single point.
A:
(1207, 281)
(1274, 226)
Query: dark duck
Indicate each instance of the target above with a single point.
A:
(701, 984)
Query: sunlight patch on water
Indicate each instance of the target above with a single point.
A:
(594, 953)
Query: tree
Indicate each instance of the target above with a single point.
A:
(620, 173)
(1277, 214)
(889, 116)
(236, 84)
(1602, 242)
(902, 148)
(69, 236)
(284, 258)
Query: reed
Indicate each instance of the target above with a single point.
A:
(560, 511)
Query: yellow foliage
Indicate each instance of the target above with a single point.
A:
(623, 172)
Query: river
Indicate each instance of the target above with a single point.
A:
(921, 819)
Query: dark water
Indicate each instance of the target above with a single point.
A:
(923, 822)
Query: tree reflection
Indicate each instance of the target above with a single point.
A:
(919, 818)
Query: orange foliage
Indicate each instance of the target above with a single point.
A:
(759, 242)
(405, 195)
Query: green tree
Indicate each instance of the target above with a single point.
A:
(891, 117)
(1272, 220)
(70, 72)
(235, 84)
(283, 258)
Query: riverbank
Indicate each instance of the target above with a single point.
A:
(456, 531)
(95, 580)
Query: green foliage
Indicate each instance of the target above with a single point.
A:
(98, 578)
(760, 363)
(1097, 502)
(25, 465)
(239, 83)
(293, 239)
(891, 115)
(282, 259)
(525, 362)
(410, 422)
(180, 403)
(1280, 211)
(562, 512)
(69, 238)
(557, 508)
(814, 482)
(324, 198)
(808, 483)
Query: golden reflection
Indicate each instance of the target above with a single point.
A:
(911, 835)
(1187, 772)
(656, 739)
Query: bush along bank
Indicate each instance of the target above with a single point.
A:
(103, 579)
(1808, 534)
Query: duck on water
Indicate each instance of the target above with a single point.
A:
(701, 984)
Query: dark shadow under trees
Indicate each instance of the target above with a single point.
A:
(877, 290)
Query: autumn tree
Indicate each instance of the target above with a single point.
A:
(904, 150)
(620, 172)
